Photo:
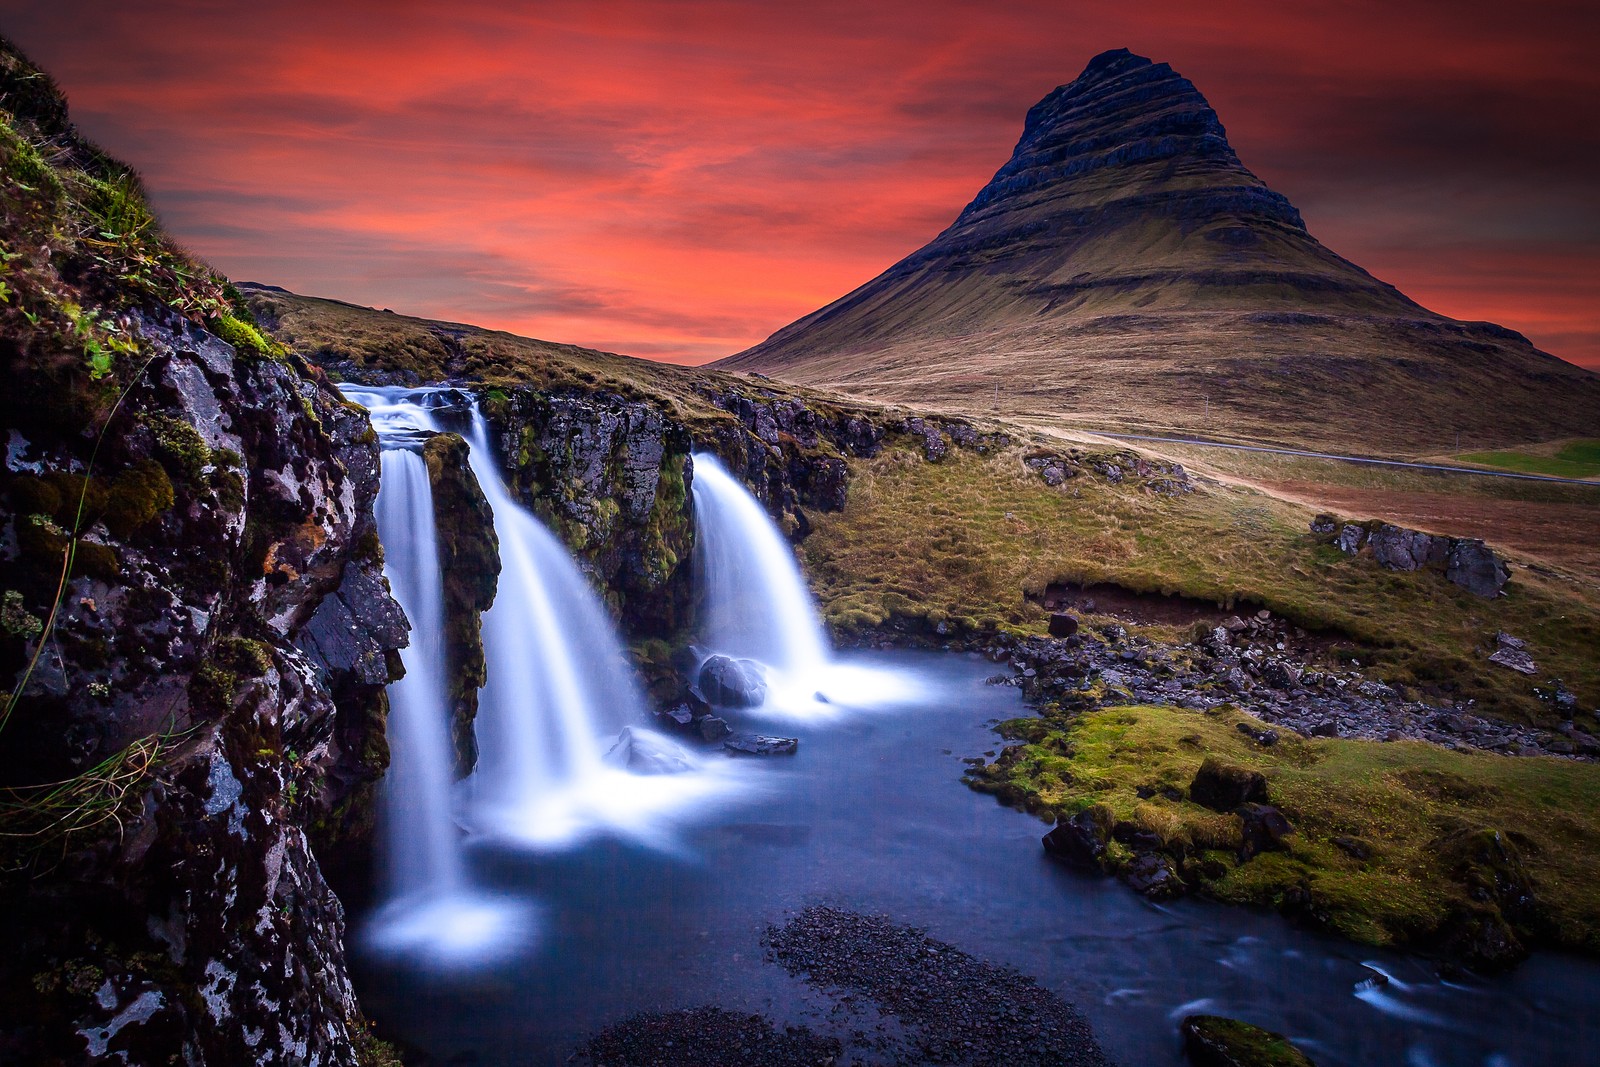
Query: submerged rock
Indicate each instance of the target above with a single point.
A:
(761, 745)
(646, 753)
(1215, 1041)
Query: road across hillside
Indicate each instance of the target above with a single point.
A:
(1482, 472)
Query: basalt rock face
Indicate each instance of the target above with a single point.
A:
(220, 657)
(1124, 262)
(610, 476)
(469, 564)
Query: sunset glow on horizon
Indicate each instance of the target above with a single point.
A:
(679, 180)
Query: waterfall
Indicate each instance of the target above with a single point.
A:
(757, 606)
(423, 851)
(756, 602)
(559, 693)
(430, 906)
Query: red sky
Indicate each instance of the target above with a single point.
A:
(678, 179)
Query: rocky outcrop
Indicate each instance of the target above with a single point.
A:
(210, 690)
(1215, 1041)
(469, 565)
(1466, 561)
(611, 477)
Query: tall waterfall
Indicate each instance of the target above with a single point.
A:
(423, 848)
(431, 907)
(559, 691)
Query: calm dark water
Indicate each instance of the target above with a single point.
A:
(871, 815)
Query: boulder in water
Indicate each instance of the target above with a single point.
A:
(642, 752)
(732, 683)
(714, 728)
(761, 745)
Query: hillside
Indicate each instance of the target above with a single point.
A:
(1125, 269)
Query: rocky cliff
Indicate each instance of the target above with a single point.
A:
(1124, 264)
(196, 633)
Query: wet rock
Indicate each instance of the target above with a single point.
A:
(679, 715)
(1223, 787)
(1263, 828)
(1081, 839)
(761, 745)
(1215, 1041)
(732, 683)
(713, 728)
(1152, 875)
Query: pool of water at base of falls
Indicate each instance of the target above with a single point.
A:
(871, 815)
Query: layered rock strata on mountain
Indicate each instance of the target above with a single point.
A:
(1124, 264)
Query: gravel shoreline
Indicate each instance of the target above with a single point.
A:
(932, 1004)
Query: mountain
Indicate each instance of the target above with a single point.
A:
(1125, 269)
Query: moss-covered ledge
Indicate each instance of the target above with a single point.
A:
(469, 564)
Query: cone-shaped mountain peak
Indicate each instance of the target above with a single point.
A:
(1124, 266)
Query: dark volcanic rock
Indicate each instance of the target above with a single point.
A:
(1263, 828)
(761, 745)
(1153, 875)
(1081, 839)
(1063, 624)
(698, 1037)
(1223, 787)
(726, 682)
(469, 564)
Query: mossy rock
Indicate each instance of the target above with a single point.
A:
(1215, 1041)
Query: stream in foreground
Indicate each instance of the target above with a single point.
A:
(871, 815)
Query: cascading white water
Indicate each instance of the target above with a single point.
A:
(756, 601)
(757, 606)
(423, 848)
(430, 909)
(559, 691)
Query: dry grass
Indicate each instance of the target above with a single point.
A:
(966, 539)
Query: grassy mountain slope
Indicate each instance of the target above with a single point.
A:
(1125, 269)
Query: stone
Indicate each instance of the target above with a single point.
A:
(1324, 525)
(1063, 624)
(1280, 675)
(1399, 549)
(1351, 538)
(713, 728)
(1263, 828)
(1080, 840)
(1223, 787)
(1514, 659)
(761, 745)
(1152, 875)
(726, 682)
(1216, 1041)
(1474, 567)
(680, 715)
(1353, 847)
